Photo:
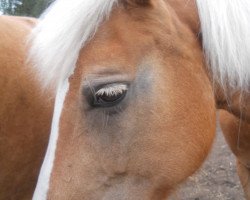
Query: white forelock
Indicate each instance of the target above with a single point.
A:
(68, 24)
(225, 27)
(61, 33)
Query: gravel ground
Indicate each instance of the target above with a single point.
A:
(216, 180)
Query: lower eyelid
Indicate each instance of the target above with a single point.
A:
(113, 110)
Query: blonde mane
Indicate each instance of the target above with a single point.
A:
(62, 31)
(67, 25)
(225, 27)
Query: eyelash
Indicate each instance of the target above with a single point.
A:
(117, 89)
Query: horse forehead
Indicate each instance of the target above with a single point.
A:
(122, 40)
(113, 51)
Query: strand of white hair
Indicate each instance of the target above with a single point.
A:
(62, 31)
(225, 27)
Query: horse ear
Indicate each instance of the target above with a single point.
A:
(138, 2)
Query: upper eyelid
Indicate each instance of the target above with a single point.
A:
(93, 87)
(98, 81)
(89, 89)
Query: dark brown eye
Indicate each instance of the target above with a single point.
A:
(107, 101)
(110, 95)
(107, 98)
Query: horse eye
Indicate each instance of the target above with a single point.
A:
(110, 95)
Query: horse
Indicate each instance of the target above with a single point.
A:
(135, 86)
(25, 114)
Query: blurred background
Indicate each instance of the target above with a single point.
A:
(32, 8)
